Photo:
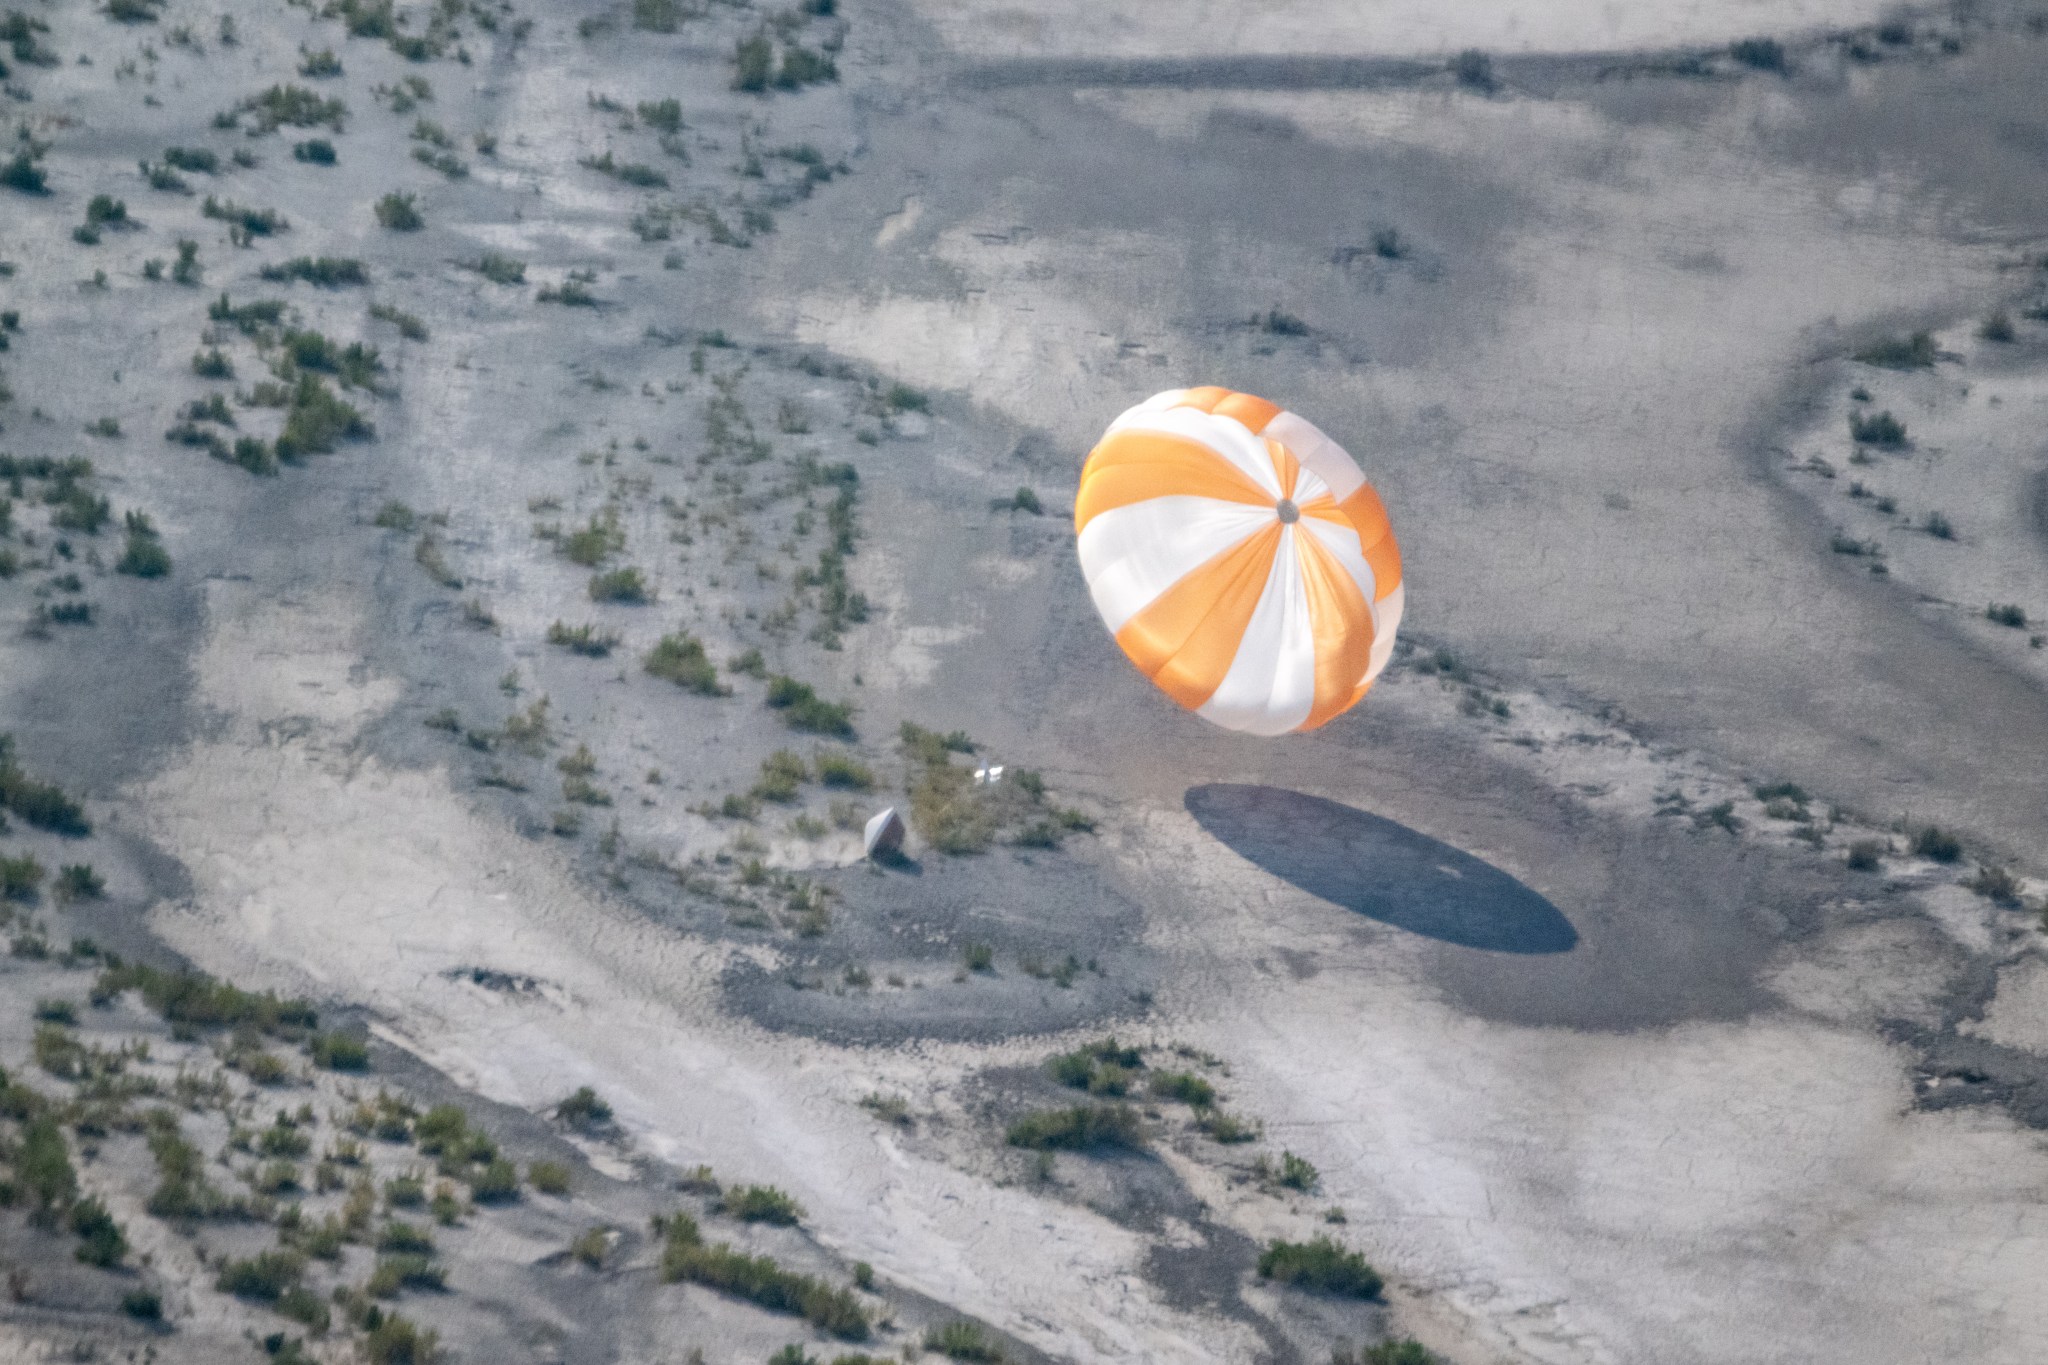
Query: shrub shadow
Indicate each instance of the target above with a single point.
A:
(1380, 869)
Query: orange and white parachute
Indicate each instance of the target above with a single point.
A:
(1240, 558)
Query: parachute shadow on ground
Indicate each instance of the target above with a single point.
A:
(1381, 869)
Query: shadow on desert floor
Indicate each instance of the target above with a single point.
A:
(1381, 869)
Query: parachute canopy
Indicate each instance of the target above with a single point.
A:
(1240, 558)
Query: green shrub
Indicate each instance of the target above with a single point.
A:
(40, 804)
(399, 213)
(843, 772)
(753, 64)
(1865, 854)
(1764, 54)
(588, 640)
(1915, 352)
(100, 1239)
(962, 1340)
(2006, 614)
(21, 877)
(1297, 1173)
(22, 174)
(1995, 884)
(496, 1183)
(1322, 1265)
(761, 1204)
(500, 269)
(340, 1052)
(316, 420)
(758, 1279)
(316, 151)
(263, 1277)
(146, 1305)
(143, 557)
(804, 710)
(394, 1274)
(328, 272)
(292, 105)
(1473, 69)
(1184, 1086)
(583, 1109)
(1081, 1127)
(396, 1340)
(1881, 429)
(591, 545)
(1399, 1351)
(548, 1177)
(1937, 844)
(627, 585)
(198, 1000)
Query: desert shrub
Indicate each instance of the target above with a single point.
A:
(1995, 884)
(2006, 614)
(842, 771)
(782, 776)
(404, 1239)
(760, 1280)
(627, 585)
(264, 1276)
(145, 1305)
(591, 1246)
(1184, 1086)
(497, 1182)
(1227, 1128)
(42, 1167)
(1080, 1127)
(1319, 1264)
(801, 67)
(195, 999)
(316, 420)
(22, 174)
(340, 1052)
(1297, 1173)
(662, 115)
(40, 804)
(960, 1339)
(1865, 854)
(591, 641)
(583, 1109)
(548, 1177)
(804, 710)
(1937, 844)
(1915, 352)
(394, 1274)
(252, 222)
(1764, 54)
(409, 326)
(500, 269)
(100, 1239)
(292, 105)
(950, 812)
(680, 659)
(594, 543)
(328, 272)
(1473, 69)
(753, 64)
(314, 151)
(399, 213)
(761, 1204)
(396, 1340)
(1939, 526)
(1397, 1351)
(1881, 429)
(144, 556)
(1997, 327)
(212, 364)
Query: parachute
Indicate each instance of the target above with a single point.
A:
(1240, 559)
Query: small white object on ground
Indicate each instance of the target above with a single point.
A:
(884, 833)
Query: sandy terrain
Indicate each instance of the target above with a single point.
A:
(1602, 1053)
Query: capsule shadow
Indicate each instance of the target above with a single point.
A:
(1381, 869)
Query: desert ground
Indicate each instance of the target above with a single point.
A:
(493, 496)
